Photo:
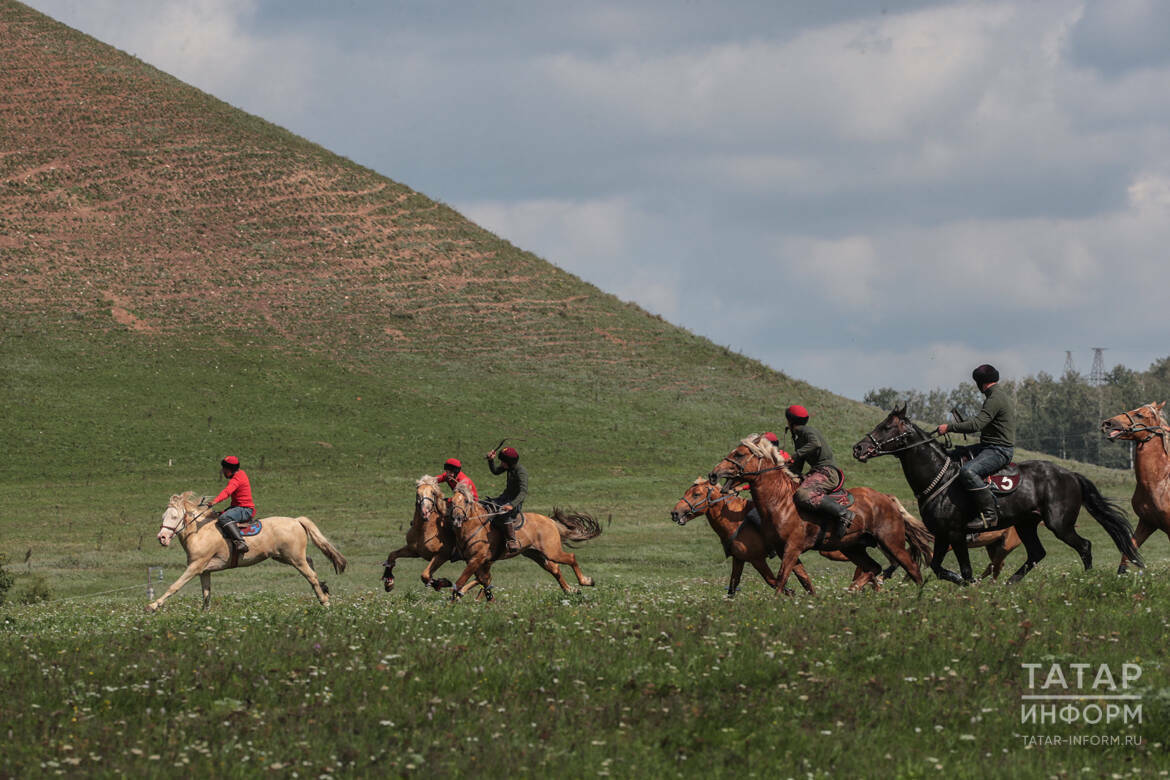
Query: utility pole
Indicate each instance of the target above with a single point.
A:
(1069, 368)
(1097, 374)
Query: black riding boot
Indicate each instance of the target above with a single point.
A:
(837, 515)
(232, 532)
(986, 512)
(510, 542)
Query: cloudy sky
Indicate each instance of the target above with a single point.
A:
(860, 194)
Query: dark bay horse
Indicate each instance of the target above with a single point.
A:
(1047, 493)
(879, 521)
(1147, 428)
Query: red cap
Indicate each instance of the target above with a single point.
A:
(772, 438)
(453, 462)
(231, 460)
(509, 454)
(796, 411)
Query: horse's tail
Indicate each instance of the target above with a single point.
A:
(1111, 517)
(921, 540)
(332, 553)
(575, 526)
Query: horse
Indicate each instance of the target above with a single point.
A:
(283, 539)
(746, 542)
(429, 537)
(1047, 493)
(879, 519)
(1151, 465)
(540, 539)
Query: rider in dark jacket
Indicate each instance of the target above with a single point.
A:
(511, 501)
(996, 425)
(813, 449)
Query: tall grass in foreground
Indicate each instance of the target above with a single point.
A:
(635, 678)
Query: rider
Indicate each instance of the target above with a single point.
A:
(452, 475)
(242, 508)
(511, 500)
(813, 449)
(996, 424)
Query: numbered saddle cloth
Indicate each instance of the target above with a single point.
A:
(1006, 480)
(251, 528)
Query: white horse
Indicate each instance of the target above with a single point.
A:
(283, 539)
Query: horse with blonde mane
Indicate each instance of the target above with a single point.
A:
(1151, 466)
(429, 537)
(283, 539)
(879, 519)
(541, 539)
(744, 541)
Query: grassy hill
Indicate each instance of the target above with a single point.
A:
(180, 280)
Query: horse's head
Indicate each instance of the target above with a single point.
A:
(754, 456)
(429, 504)
(463, 505)
(175, 517)
(1140, 424)
(890, 434)
(695, 501)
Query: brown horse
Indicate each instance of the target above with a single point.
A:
(744, 542)
(1151, 465)
(878, 518)
(429, 537)
(540, 539)
(283, 539)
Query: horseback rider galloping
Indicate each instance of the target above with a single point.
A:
(996, 424)
(242, 508)
(511, 501)
(824, 474)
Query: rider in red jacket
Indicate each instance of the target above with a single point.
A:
(453, 474)
(242, 508)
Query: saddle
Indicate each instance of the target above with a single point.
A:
(517, 520)
(1002, 482)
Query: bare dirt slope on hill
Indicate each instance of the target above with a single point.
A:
(129, 200)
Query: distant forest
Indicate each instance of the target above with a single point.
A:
(1060, 417)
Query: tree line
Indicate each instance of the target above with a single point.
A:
(1060, 417)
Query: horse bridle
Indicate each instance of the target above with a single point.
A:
(879, 446)
(184, 522)
(1136, 426)
(694, 511)
(742, 473)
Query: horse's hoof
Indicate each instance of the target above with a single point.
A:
(789, 592)
(588, 582)
(1123, 570)
(441, 584)
(151, 609)
(388, 584)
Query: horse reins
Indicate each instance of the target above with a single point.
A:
(694, 511)
(934, 489)
(182, 526)
(1135, 426)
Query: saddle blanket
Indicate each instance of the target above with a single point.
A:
(250, 529)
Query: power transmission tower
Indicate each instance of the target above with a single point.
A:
(1069, 368)
(1097, 374)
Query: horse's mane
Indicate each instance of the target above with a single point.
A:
(184, 500)
(428, 480)
(770, 453)
(463, 489)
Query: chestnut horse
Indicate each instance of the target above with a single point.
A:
(429, 537)
(743, 541)
(1151, 465)
(879, 520)
(1047, 493)
(283, 539)
(540, 539)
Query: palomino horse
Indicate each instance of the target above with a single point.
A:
(743, 541)
(1046, 493)
(878, 518)
(429, 536)
(540, 539)
(283, 539)
(1151, 465)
